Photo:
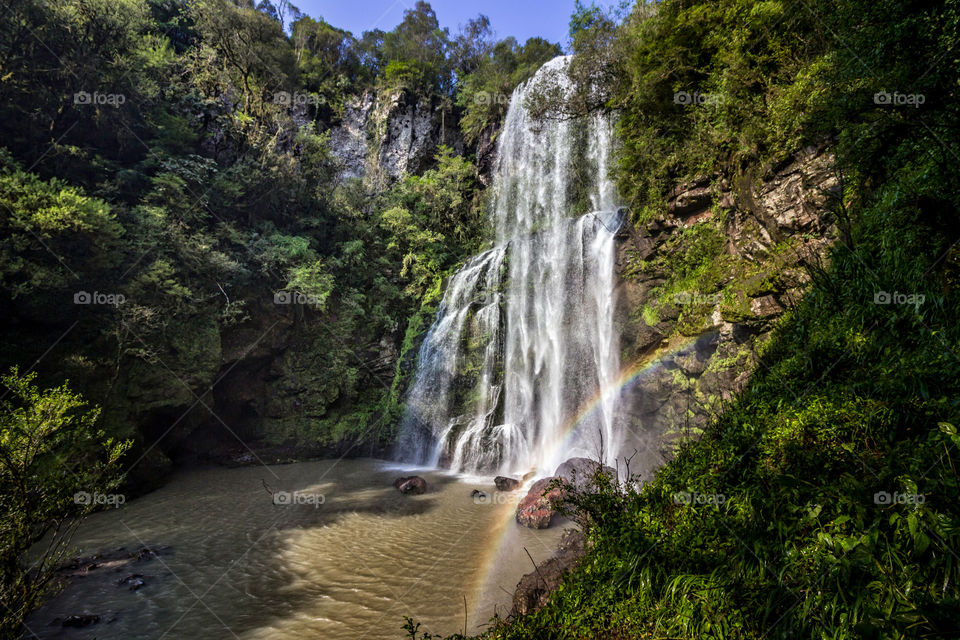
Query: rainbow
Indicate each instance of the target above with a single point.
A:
(627, 377)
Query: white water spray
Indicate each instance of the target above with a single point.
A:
(524, 337)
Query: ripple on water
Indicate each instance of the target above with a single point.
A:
(241, 567)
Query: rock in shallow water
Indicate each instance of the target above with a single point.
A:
(82, 620)
(411, 484)
(504, 483)
(133, 581)
(537, 509)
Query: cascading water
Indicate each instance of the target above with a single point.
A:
(524, 339)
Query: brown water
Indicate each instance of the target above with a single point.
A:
(239, 566)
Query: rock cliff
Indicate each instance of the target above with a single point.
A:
(388, 135)
(702, 285)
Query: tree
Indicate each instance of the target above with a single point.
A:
(250, 44)
(322, 50)
(43, 223)
(432, 219)
(473, 45)
(418, 49)
(54, 464)
(597, 68)
(53, 52)
(280, 10)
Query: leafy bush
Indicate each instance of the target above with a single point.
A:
(52, 460)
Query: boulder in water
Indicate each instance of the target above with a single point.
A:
(81, 620)
(580, 472)
(133, 581)
(506, 484)
(411, 484)
(537, 509)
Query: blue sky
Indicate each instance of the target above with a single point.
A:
(518, 18)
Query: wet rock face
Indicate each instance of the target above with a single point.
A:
(537, 509)
(690, 197)
(487, 155)
(533, 590)
(766, 307)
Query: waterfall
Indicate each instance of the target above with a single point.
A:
(516, 372)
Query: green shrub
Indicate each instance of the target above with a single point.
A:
(54, 462)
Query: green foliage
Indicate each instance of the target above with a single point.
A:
(197, 196)
(484, 93)
(314, 281)
(50, 453)
(433, 220)
(40, 220)
(404, 75)
(413, 630)
(417, 52)
(780, 521)
(328, 61)
(601, 50)
(248, 45)
(584, 19)
(150, 154)
(697, 267)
